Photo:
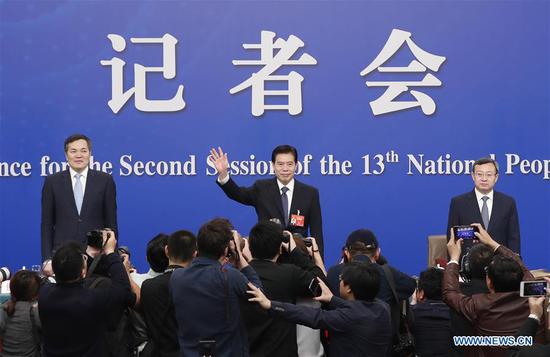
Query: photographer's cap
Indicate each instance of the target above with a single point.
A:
(364, 236)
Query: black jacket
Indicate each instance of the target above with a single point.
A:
(268, 336)
(265, 197)
(75, 319)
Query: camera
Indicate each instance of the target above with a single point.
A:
(95, 238)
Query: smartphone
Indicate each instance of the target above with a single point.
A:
(533, 288)
(465, 232)
(315, 288)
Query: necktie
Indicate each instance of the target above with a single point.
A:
(485, 212)
(284, 200)
(78, 194)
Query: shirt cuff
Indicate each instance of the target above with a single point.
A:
(452, 261)
(535, 317)
(224, 180)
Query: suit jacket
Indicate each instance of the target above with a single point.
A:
(265, 197)
(268, 336)
(503, 223)
(493, 314)
(529, 328)
(159, 314)
(60, 219)
(358, 328)
(75, 319)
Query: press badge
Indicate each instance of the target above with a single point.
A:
(296, 220)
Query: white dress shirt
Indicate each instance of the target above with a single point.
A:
(479, 197)
(83, 178)
(289, 193)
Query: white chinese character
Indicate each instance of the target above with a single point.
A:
(168, 69)
(273, 55)
(386, 104)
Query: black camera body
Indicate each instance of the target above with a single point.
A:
(95, 238)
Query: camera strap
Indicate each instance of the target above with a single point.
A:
(94, 264)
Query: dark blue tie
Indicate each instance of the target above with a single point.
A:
(284, 200)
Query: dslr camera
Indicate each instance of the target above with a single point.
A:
(95, 238)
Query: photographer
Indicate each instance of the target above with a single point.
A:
(75, 319)
(359, 323)
(206, 294)
(282, 282)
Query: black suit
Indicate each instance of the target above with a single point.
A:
(265, 197)
(503, 223)
(160, 316)
(60, 219)
(529, 328)
(268, 336)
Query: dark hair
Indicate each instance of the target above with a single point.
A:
(505, 273)
(430, 282)
(265, 240)
(359, 248)
(362, 278)
(483, 161)
(156, 257)
(182, 245)
(67, 262)
(479, 258)
(76, 137)
(284, 149)
(214, 236)
(24, 286)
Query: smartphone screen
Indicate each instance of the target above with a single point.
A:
(533, 288)
(465, 232)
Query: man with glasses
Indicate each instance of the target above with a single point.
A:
(495, 211)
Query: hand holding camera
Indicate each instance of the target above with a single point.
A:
(101, 240)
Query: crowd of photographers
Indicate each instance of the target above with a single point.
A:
(268, 294)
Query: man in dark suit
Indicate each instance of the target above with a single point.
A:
(294, 204)
(76, 200)
(268, 336)
(495, 211)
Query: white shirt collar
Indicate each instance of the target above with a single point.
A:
(84, 172)
(479, 195)
(289, 185)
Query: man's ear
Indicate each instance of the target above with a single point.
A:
(166, 251)
(489, 283)
(420, 295)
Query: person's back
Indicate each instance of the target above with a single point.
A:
(206, 300)
(156, 301)
(19, 322)
(430, 320)
(206, 294)
(283, 282)
(74, 318)
(369, 329)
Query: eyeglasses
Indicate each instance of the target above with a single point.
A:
(481, 175)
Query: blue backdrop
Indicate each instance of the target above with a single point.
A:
(494, 98)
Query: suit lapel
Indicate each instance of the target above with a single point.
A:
(474, 207)
(496, 209)
(276, 197)
(68, 188)
(294, 207)
(87, 191)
